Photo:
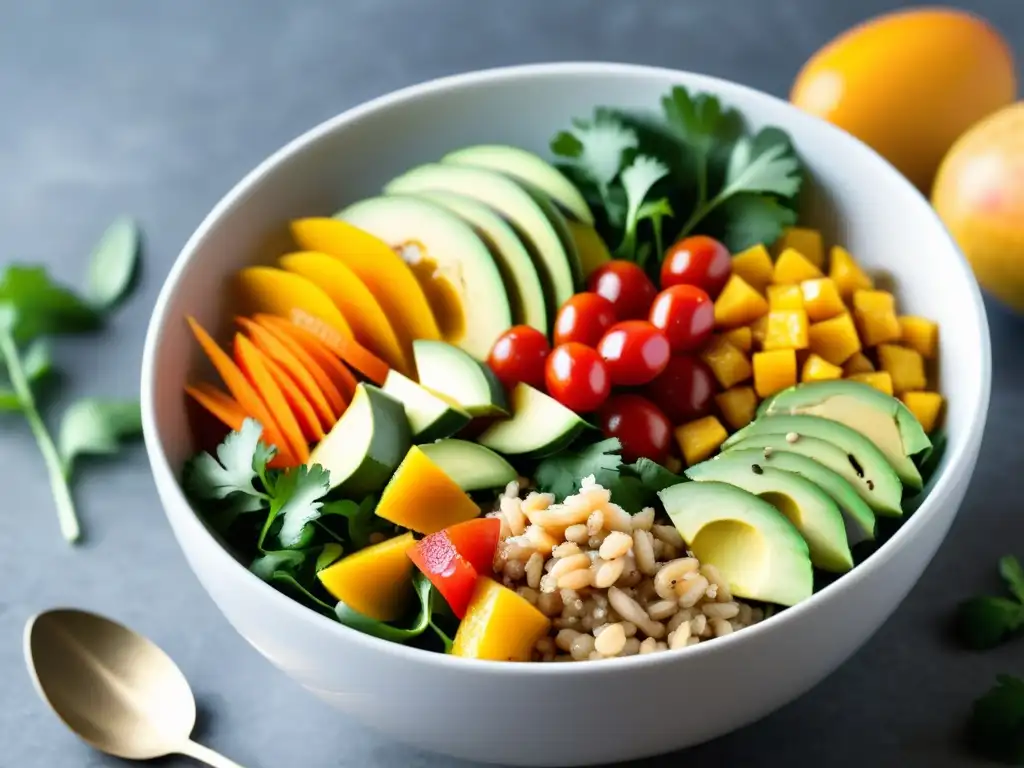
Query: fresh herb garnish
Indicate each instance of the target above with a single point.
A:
(355, 620)
(114, 265)
(241, 459)
(986, 621)
(996, 725)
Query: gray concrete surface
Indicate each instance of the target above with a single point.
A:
(157, 109)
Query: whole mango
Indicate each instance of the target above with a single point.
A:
(979, 194)
(909, 83)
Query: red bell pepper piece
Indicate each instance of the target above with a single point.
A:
(476, 540)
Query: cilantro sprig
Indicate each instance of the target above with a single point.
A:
(996, 725)
(986, 621)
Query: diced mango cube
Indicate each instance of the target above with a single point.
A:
(758, 329)
(754, 265)
(786, 330)
(738, 304)
(906, 366)
(821, 299)
(806, 241)
(858, 363)
(816, 368)
(774, 371)
(875, 312)
(926, 406)
(919, 334)
(793, 268)
(699, 439)
(880, 380)
(499, 625)
(738, 406)
(729, 364)
(835, 339)
(784, 297)
(742, 338)
(847, 274)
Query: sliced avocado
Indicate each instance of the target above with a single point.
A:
(758, 551)
(454, 266)
(522, 282)
(857, 515)
(556, 265)
(593, 251)
(881, 418)
(540, 426)
(807, 506)
(430, 417)
(835, 445)
(367, 443)
(472, 466)
(456, 376)
(527, 167)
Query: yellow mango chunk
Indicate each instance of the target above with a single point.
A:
(821, 299)
(738, 406)
(774, 371)
(729, 364)
(816, 368)
(847, 274)
(742, 338)
(374, 581)
(906, 366)
(787, 329)
(499, 625)
(926, 406)
(805, 241)
(875, 313)
(858, 363)
(784, 297)
(738, 304)
(758, 329)
(699, 439)
(835, 339)
(919, 334)
(422, 498)
(755, 266)
(793, 268)
(880, 380)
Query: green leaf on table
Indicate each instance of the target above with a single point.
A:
(296, 502)
(97, 427)
(561, 473)
(241, 458)
(363, 623)
(43, 307)
(1012, 573)
(996, 725)
(637, 180)
(113, 264)
(985, 622)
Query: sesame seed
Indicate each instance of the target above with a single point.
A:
(792, 437)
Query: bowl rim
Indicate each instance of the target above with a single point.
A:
(165, 475)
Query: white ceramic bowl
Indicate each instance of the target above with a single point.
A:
(562, 714)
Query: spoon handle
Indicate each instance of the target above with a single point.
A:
(206, 755)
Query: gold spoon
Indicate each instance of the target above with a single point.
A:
(113, 687)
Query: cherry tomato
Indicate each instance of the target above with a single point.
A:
(626, 286)
(639, 424)
(584, 318)
(635, 352)
(518, 355)
(698, 260)
(685, 390)
(577, 377)
(686, 314)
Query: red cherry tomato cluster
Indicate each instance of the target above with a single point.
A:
(626, 352)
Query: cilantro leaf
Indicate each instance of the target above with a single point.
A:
(296, 502)
(358, 621)
(561, 473)
(985, 622)
(637, 180)
(330, 553)
(241, 458)
(637, 484)
(996, 725)
(268, 563)
(1012, 573)
(113, 265)
(288, 571)
(655, 211)
(97, 427)
(746, 219)
(652, 474)
(597, 148)
(43, 307)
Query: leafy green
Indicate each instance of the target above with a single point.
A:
(241, 459)
(43, 307)
(355, 620)
(113, 264)
(637, 180)
(985, 621)
(996, 725)
(1012, 573)
(654, 476)
(296, 503)
(288, 570)
(331, 552)
(97, 427)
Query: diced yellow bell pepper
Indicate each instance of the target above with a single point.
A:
(758, 329)
(806, 241)
(858, 363)
(880, 380)
(421, 497)
(699, 439)
(374, 581)
(742, 338)
(774, 371)
(784, 297)
(793, 268)
(817, 368)
(919, 334)
(499, 625)
(926, 406)
(729, 364)
(821, 299)
(875, 312)
(738, 406)
(835, 339)
(906, 366)
(847, 274)
(754, 265)
(786, 330)
(738, 304)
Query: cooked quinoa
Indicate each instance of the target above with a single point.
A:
(613, 584)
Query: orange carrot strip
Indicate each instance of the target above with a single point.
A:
(329, 362)
(220, 404)
(304, 412)
(347, 348)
